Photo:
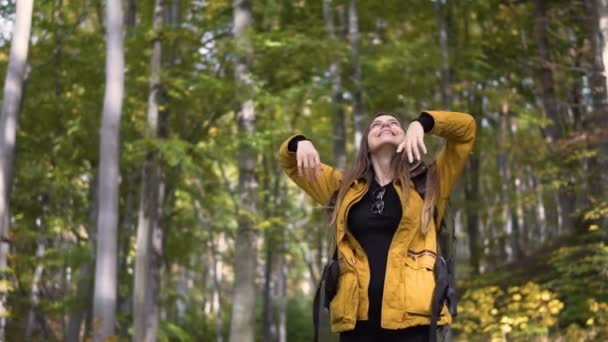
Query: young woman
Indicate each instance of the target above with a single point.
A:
(385, 230)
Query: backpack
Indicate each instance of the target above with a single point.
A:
(445, 278)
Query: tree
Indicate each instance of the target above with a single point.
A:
(553, 132)
(598, 15)
(145, 300)
(242, 327)
(353, 26)
(9, 118)
(335, 76)
(104, 303)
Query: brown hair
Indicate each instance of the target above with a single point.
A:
(362, 168)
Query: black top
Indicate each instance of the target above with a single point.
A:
(374, 231)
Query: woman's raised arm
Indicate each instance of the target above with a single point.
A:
(300, 161)
(459, 131)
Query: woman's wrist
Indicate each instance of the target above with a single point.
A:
(427, 121)
(292, 146)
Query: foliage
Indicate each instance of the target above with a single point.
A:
(557, 287)
(519, 313)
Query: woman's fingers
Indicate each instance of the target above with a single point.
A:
(311, 167)
(422, 145)
(300, 161)
(408, 148)
(304, 167)
(318, 168)
(416, 151)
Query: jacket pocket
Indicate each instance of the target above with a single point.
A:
(419, 282)
(343, 308)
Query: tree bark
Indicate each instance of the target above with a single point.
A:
(268, 331)
(598, 13)
(353, 24)
(9, 121)
(446, 72)
(514, 251)
(242, 326)
(131, 15)
(336, 93)
(216, 272)
(282, 286)
(35, 292)
(555, 130)
(85, 275)
(145, 313)
(104, 306)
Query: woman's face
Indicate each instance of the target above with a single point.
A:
(384, 130)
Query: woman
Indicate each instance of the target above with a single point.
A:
(385, 230)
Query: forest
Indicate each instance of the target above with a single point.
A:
(141, 197)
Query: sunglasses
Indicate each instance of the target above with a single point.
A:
(378, 205)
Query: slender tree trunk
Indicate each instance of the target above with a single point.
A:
(216, 272)
(242, 326)
(282, 286)
(507, 186)
(336, 93)
(555, 130)
(145, 313)
(270, 243)
(446, 82)
(154, 310)
(104, 306)
(353, 24)
(85, 275)
(11, 106)
(598, 13)
(125, 302)
(218, 266)
(131, 15)
(35, 292)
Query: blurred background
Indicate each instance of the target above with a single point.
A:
(141, 198)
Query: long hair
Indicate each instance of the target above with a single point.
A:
(362, 168)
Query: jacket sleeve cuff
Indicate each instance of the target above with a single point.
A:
(427, 121)
(292, 146)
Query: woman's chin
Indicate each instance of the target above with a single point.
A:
(385, 146)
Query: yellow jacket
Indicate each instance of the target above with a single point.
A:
(409, 280)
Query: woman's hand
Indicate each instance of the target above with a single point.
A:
(309, 163)
(413, 142)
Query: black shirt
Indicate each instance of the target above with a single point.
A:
(374, 232)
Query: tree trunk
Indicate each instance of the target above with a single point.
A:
(104, 306)
(242, 326)
(336, 93)
(282, 287)
(513, 251)
(125, 302)
(144, 311)
(446, 88)
(216, 272)
(598, 13)
(268, 333)
(11, 106)
(353, 24)
(35, 292)
(85, 275)
(131, 15)
(555, 130)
